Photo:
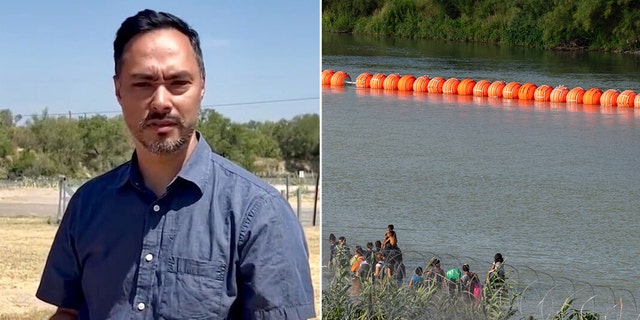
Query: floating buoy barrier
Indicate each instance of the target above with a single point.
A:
(543, 93)
(338, 78)
(559, 94)
(510, 91)
(496, 88)
(465, 87)
(450, 86)
(626, 99)
(378, 80)
(592, 96)
(391, 82)
(609, 98)
(421, 84)
(435, 85)
(527, 91)
(481, 89)
(364, 80)
(575, 95)
(326, 77)
(406, 84)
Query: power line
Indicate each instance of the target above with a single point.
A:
(203, 107)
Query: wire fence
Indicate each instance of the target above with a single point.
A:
(299, 190)
(532, 294)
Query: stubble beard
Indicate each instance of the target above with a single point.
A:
(166, 145)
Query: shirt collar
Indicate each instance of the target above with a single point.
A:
(197, 168)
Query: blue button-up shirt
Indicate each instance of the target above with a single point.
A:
(220, 243)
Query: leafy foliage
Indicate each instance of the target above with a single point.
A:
(602, 25)
(51, 146)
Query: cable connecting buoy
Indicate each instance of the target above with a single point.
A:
(406, 84)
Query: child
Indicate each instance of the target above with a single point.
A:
(416, 279)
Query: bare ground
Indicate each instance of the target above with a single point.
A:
(25, 238)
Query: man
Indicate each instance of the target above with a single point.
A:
(342, 253)
(178, 232)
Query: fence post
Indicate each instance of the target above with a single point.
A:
(287, 186)
(315, 202)
(299, 204)
(60, 197)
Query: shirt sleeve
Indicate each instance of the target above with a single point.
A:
(274, 278)
(60, 282)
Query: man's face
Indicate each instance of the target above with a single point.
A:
(160, 88)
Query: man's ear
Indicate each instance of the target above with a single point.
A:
(116, 86)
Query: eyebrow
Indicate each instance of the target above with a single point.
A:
(153, 77)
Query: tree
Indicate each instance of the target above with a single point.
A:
(299, 142)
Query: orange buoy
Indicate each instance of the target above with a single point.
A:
(527, 91)
(636, 101)
(510, 91)
(592, 96)
(406, 82)
(609, 98)
(338, 78)
(496, 88)
(559, 94)
(391, 82)
(575, 95)
(435, 85)
(481, 89)
(421, 83)
(364, 80)
(543, 93)
(326, 76)
(626, 99)
(451, 86)
(378, 80)
(465, 87)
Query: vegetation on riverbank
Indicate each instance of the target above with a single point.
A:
(49, 146)
(610, 25)
(374, 299)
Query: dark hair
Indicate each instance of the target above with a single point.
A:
(465, 267)
(332, 237)
(498, 258)
(378, 243)
(369, 245)
(418, 270)
(149, 20)
(359, 251)
(390, 227)
(342, 239)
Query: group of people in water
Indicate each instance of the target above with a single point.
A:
(384, 260)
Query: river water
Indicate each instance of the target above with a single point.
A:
(554, 187)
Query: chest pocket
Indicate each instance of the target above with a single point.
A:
(191, 289)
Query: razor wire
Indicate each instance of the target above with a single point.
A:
(540, 294)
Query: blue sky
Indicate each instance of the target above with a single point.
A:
(59, 55)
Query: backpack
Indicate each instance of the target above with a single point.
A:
(476, 289)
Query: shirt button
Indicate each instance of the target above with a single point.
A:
(156, 208)
(148, 257)
(141, 306)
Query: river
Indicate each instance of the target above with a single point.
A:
(554, 187)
